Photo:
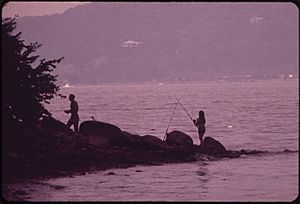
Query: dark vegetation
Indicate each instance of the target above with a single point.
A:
(27, 84)
(27, 79)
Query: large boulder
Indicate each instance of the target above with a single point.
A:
(82, 141)
(107, 132)
(152, 142)
(100, 142)
(212, 146)
(129, 140)
(177, 138)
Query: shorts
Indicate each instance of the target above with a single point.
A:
(201, 130)
(74, 118)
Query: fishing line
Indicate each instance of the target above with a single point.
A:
(170, 121)
(184, 109)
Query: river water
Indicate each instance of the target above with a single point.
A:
(260, 115)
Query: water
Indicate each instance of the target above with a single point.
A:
(242, 115)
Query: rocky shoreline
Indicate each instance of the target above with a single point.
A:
(86, 160)
(50, 149)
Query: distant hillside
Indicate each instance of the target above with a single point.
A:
(124, 42)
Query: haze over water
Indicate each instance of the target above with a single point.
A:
(242, 115)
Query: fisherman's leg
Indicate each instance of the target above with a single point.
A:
(69, 123)
(76, 125)
(200, 137)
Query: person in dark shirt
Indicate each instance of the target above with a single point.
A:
(74, 120)
(200, 124)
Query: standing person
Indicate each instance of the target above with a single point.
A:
(74, 120)
(200, 124)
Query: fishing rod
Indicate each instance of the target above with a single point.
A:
(184, 109)
(170, 121)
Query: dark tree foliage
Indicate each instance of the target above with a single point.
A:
(26, 80)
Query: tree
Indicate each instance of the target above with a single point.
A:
(27, 80)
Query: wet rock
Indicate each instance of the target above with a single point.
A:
(130, 140)
(212, 146)
(57, 187)
(178, 138)
(232, 154)
(205, 157)
(252, 151)
(102, 130)
(288, 151)
(152, 142)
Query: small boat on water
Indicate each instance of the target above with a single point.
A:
(66, 85)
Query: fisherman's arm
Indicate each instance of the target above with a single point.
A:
(195, 122)
(67, 111)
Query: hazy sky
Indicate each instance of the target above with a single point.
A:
(194, 41)
(36, 8)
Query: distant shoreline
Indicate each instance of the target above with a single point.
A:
(177, 83)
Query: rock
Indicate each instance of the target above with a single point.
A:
(130, 140)
(103, 130)
(49, 123)
(111, 173)
(57, 187)
(212, 146)
(56, 135)
(232, 154)
(251, 151)
(82, 141)
(100, 142)
(20, 192)
(152, 142)
(178, 138)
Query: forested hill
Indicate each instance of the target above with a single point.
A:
(141, 42)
